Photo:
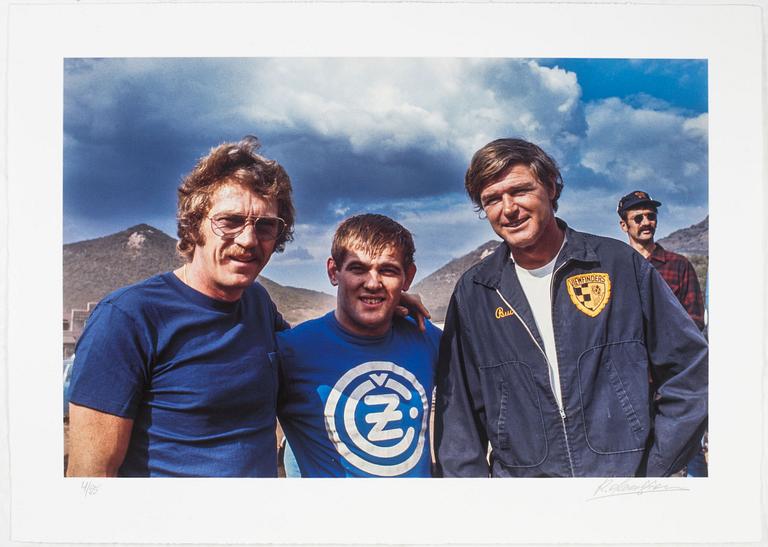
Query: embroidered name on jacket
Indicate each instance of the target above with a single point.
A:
(590, 292)
(501, 313)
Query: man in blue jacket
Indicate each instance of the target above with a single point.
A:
(549, 344)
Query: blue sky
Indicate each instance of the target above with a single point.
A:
(382, 135)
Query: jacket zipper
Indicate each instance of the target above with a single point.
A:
(549, 365)
(562, 410)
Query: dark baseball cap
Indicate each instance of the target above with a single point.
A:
(633, 199)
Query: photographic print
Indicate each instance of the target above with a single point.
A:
(361, 136)
(377, 112)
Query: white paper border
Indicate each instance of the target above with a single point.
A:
(46, 507)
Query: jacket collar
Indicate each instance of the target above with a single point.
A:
(577, 247)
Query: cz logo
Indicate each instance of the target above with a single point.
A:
(376, 417)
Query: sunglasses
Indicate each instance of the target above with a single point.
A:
(229, 226)
(638, 218)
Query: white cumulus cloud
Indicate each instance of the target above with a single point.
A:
(435, 104)
(638, 148)
(374, 105)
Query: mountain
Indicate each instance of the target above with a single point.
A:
(95, 267)
(436, 289)
(693, 240)
(297, 304)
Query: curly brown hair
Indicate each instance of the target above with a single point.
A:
(231, 163)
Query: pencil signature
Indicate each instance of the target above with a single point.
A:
(612, 487)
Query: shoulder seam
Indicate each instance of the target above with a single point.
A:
(125, 313)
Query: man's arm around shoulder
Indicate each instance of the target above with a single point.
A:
(98, 442)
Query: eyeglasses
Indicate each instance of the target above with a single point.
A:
(229, 226)
(638, 218)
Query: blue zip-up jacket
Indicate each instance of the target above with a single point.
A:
(632, 364)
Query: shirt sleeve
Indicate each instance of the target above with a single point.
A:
(111, 365)
(285, 359)
(690, 294)
(433, 335)
(280, 322)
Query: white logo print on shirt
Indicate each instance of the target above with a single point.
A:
(376, 417)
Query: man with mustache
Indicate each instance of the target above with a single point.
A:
(549, 343)
(356, 390)
(176, 376)
(639, 214)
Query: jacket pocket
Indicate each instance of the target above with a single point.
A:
(614, 386)
(515, 424)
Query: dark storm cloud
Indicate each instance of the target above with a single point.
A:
(327, 173)
(129, 140)
(133, 129)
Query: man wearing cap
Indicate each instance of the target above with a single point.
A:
(550, 340)
(638, 214)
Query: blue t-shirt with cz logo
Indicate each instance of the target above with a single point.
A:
(354, 406)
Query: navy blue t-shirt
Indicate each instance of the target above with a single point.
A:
(355, 406)
(197, 375)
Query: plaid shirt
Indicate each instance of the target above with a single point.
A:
(679, 274)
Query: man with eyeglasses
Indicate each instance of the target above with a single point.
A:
(638, 214)
(550, 340)
(176, 376)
